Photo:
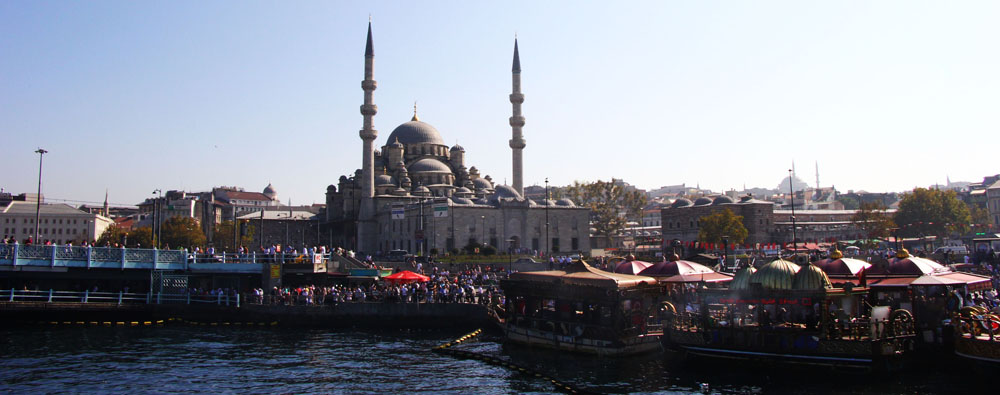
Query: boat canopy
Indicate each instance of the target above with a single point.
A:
(581, 274)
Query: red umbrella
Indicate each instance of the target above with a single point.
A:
(406, 277)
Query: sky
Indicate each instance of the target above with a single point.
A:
(129, 97)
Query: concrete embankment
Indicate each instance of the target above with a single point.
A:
(344, 315)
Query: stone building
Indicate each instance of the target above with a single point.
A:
(58, 223)
(377, 208)
(681, 220)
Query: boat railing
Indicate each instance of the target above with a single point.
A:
(859, 329)
(979, 327)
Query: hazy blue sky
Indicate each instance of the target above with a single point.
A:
(138, 95)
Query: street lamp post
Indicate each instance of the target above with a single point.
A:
(546, 216)
(725, 251)
(157, 206)
(38, 199)
(483, 241)
(510, 251)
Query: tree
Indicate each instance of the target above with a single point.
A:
(611, 205)
(134, 238)
(849, 202)
(712, 227)
(872, 218)
(222, 237)
(182, 232)
(932, 212)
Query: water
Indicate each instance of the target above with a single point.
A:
(283, 360)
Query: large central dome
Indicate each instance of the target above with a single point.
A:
(416, 132)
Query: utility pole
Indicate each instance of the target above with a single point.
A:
(38, 199)
(546, 216)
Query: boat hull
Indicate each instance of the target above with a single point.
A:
(627, 346)
(981, 350)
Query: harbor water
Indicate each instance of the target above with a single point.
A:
(172, 359)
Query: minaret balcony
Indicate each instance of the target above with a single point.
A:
(369, 110)
(517, 98)
(517, 122)
(518, 143)
(369, 85)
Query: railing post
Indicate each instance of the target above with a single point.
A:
(52, 262)
(89, 251)
(123, 258)
(11, 294)
(149, 297)
(218, 299)
(184, 257)
(189, 298)
(159, 297)
(156, 257)
(50, 295)
(227, 299)
(86, 295)
(13, 260)
(237, 300)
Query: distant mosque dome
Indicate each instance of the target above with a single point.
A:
(429, 165)
(703, 201)
(565, 202)
(270, 192)
(416, 132)
(482, 183)
(722, 200)
(682, 202)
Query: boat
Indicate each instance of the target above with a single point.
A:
(977, 336)
(786, 313)
(582, 309)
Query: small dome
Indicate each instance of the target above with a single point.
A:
(457, 147)
(331, 188)
(461, 201)
(777, 274)
(463, 192)
(703, 201)
(421, 191)
(742, 279)
(429, 165)
(270, 192)
(504, 192)
(482, 183)
(416, 132)
(565, 203)
(682, 202)
(722, 200)
(811, 278)
(384, 180)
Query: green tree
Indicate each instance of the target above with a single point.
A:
(182, 232)
(724, 222)
(979, 215)
(134, 238)
(611, 205)
(222, 237)
(931, 212)
(872, 218)
(849, 202)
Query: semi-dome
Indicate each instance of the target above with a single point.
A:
(384, 179)
(482, 183)
(703, 201)
(429, 165)
(742, 279)
(811, 277)
(722, 200)
(416, 132)
(565, 202)
(505, 192)
(461, 201)
(682, 202)
(778, 274)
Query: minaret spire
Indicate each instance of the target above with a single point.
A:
(367, 228)
(517, 142)
(106, 211)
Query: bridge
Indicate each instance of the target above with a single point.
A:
(38, 257)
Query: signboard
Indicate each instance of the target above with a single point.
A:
(275, 270)
(440, 210)
(398, 212)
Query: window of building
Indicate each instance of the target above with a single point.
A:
(534, 244)
(555, 244)
(574, 244)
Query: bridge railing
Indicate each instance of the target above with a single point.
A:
(119, 298)
(57, 255)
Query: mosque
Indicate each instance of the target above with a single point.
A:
(417, 194)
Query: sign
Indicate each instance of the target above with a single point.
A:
(398, 212)
(440, 210)
(275, 270)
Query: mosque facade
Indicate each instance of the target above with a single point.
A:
(418, 194)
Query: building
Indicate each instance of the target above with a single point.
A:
(378, 207)
(993, 204)
(293, 227)
(681, 220)
(244, 202)
(58, 223)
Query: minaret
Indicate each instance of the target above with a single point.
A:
(517, 142)
(366, 222)
(106, 211)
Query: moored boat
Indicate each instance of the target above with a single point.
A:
(786, 313)
(977, 335)
(582, 309)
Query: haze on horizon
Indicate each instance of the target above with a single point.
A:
(134, 96)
